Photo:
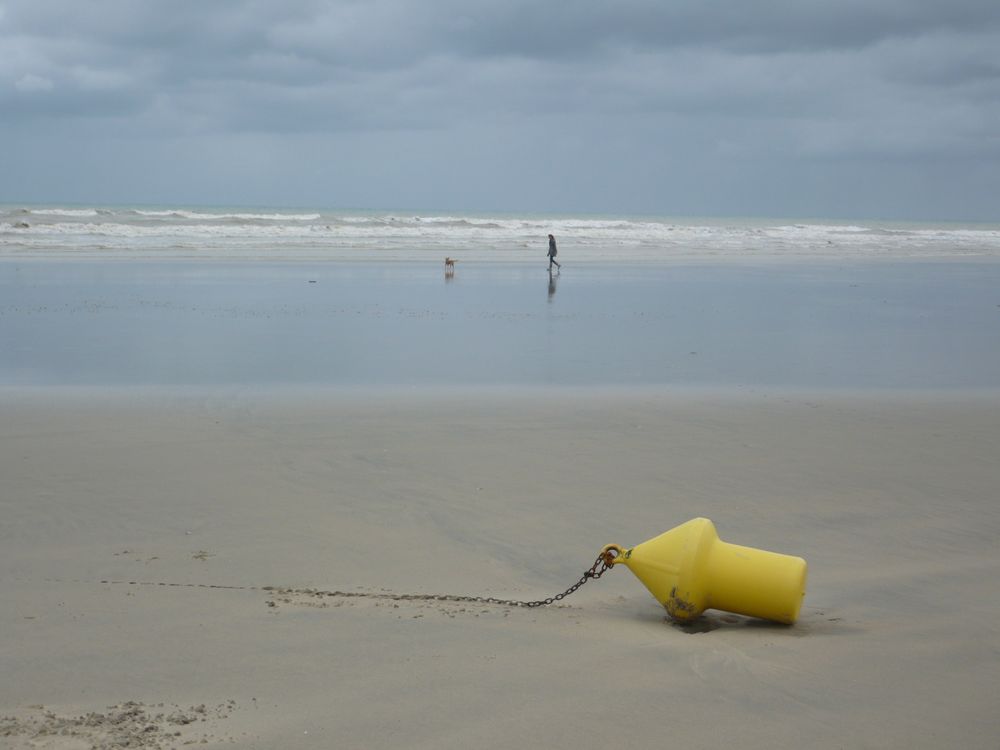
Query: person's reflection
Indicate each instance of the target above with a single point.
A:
(552, 284)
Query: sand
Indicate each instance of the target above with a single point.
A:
(170, 562)
(808, 324)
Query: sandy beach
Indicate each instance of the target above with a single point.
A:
(170, 560)
(232, 492)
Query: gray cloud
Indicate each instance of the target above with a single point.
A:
(638, 88)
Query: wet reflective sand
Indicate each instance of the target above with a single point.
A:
(850, 325)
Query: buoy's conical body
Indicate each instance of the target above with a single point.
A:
(689, 569)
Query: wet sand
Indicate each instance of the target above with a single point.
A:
(170, 560)
(849, 325)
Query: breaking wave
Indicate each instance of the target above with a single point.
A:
(278, 233)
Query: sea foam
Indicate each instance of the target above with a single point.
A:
(163, 232)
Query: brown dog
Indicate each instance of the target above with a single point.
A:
(449, 264)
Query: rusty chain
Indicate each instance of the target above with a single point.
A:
(601, 565)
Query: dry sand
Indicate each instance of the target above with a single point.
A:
(140, 529)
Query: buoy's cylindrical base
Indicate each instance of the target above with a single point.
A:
(755, 583)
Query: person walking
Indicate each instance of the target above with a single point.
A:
(552, 253)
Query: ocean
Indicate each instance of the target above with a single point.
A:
(280, 234)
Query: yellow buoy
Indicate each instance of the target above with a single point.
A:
(689, 569)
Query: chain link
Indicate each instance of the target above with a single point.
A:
(601, 565)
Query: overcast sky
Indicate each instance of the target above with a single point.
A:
(778, 108)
